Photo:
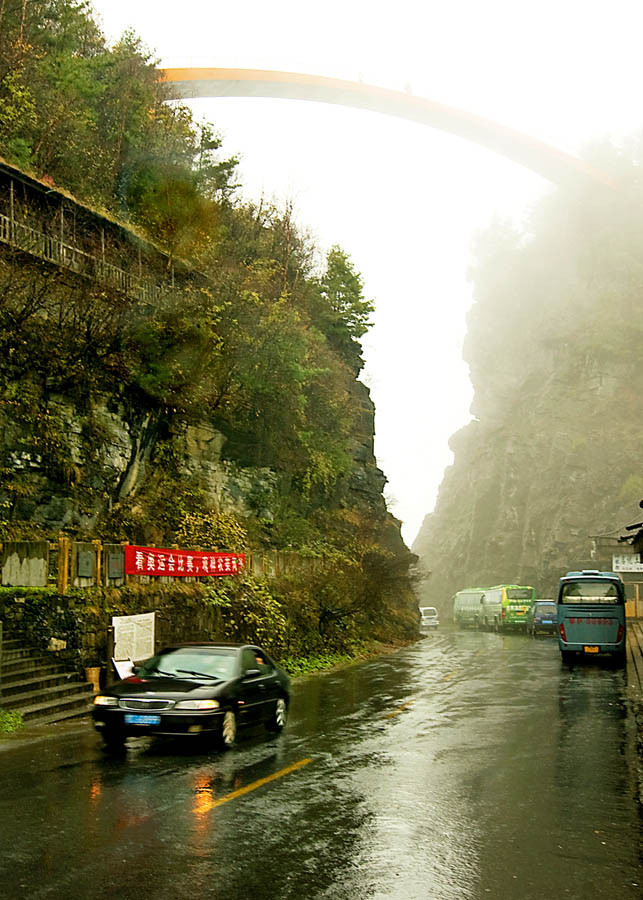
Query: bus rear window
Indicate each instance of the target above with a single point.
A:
(589, 592)
(519, 593)
(545, 609)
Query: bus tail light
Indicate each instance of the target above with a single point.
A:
(561, 629)
(504, 613)
(620, 634)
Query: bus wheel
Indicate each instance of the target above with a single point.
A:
(567, 657)
(619, 658)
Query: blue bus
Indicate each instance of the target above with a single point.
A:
(591, 615)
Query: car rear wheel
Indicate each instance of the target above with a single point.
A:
(567, 656)
(228, 734)
(278, 718)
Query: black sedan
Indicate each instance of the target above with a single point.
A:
(195, 689)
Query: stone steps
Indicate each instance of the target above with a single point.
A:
(42, 689)
(22, 669)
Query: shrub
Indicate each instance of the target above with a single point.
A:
(10, 721)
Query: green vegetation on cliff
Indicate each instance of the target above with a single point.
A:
(228, 412)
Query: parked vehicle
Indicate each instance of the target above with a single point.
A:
(195, 689)
(429, 618)
(467, 607)
(507, 607)
(542, 617)
(591, 615)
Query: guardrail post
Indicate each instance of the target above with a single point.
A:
(110, 654)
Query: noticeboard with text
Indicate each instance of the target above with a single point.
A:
(627, 562)
(179, 563)
(133, 636)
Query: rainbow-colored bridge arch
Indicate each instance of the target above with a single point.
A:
(553, 164)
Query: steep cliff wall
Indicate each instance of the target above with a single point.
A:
(553, 453)
(119, 458)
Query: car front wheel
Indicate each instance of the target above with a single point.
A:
(278, 719)
(228, 735)
(113, 740)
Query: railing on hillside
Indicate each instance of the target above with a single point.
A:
(54, 250)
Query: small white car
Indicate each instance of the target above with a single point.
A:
(429, 618)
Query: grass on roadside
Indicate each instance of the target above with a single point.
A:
(10, 721)
(318, 662)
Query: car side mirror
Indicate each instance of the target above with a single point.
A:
(251, 673)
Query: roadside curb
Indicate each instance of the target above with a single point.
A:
(32, 734)
(634, 675)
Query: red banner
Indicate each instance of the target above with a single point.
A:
(177, 563)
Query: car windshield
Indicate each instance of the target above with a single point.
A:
(590, 592)
(429, 611)
(207, 662)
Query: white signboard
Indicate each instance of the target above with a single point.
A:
(133, 636)
(627, 562)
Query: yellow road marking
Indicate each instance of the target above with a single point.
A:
(450, 675)
(400, 709)
(257, 784)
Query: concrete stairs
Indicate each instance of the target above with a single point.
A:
(42, 689)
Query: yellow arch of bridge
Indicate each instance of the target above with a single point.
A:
(553, 164)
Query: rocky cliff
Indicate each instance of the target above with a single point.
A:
(120, 458)
(552, 456)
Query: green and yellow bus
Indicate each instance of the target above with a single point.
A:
(507, 606)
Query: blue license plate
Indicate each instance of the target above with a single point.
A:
(548, 622)
(131, 719)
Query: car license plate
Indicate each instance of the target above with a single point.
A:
(131, 719)
(548, 622)
(590, 649)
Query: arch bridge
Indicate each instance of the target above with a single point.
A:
(553, 164)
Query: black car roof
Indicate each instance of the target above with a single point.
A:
(211, 644)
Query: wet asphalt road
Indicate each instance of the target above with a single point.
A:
(467, 766)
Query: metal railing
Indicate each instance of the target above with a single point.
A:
(52, 249)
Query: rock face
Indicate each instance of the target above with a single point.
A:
(553, 455)
(110, 458)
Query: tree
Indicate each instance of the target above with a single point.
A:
(347, 316)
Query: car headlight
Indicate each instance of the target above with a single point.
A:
(197, 704)
(104, 700)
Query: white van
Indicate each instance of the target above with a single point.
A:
(429, 618)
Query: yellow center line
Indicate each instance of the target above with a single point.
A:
(400, 709)
(257, 784)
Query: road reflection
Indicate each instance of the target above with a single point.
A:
(469, 765)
